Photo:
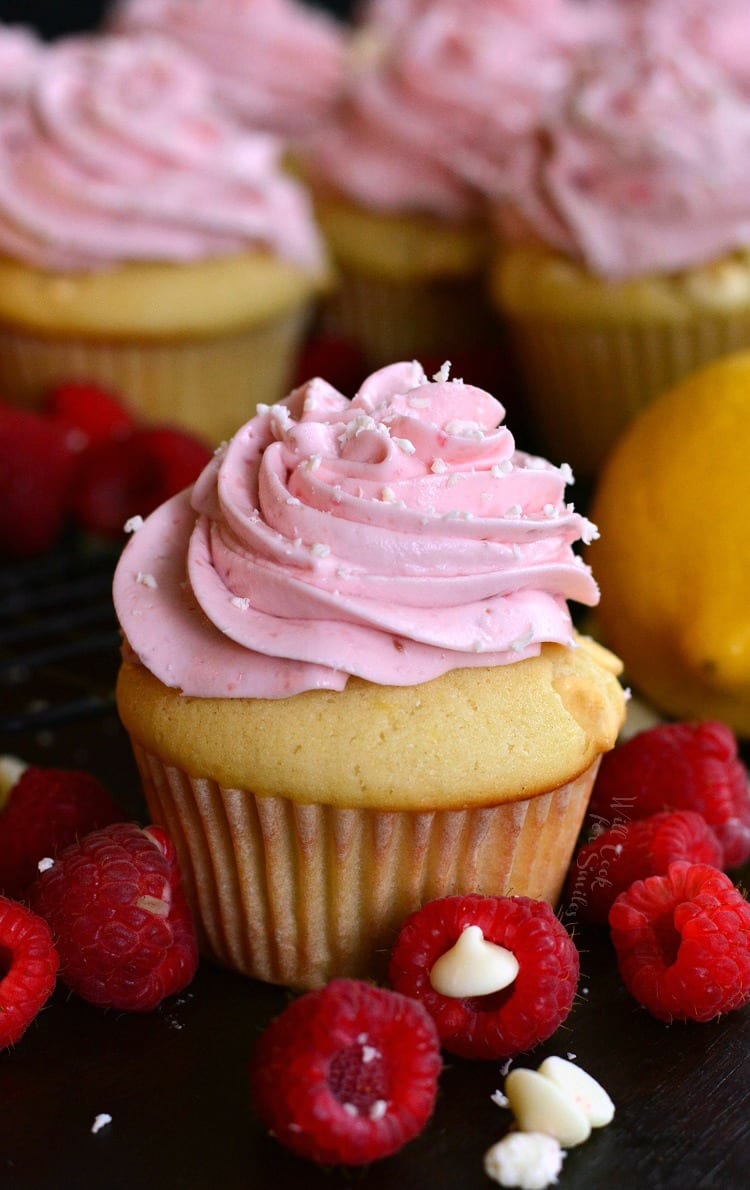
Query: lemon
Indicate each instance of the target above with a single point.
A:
(673, 561)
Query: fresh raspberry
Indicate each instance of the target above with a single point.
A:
(28, 968)
(116, 908)
(35, 474)
(118, 478)
(86, 414)
(180, 456)
(339, 359)
(47, 809)
(114, 482)
(683, 943)
(631, 851)
(504, 1023)
(346, 1074)
(679, 766)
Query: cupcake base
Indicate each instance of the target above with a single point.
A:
(389, 320)
(592, 354)
(208, 385)
(407, 284)
(295, 894)
(198, 344)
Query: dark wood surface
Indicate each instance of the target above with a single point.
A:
(175, 1081)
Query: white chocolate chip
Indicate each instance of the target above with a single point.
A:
(586, 1092)
(529, 1160)
(539, 1105)
(11, 769)
(473, 967)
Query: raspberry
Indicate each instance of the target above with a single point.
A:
(179, 456)
(683, 943)
(679, 766)
(35, 474)
(113, 483)
(500, 1024)
(631, 851)
(346, 1074)
(28, 968)
(121, 477)
(116, 908)
(337, 358)
(47, 809)
(86, 414)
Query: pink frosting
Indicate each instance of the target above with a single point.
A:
(277, 64)
(20, 55)
(646, 168)
(455, 89)
(395, 537)
(718, 30)
(119, 153)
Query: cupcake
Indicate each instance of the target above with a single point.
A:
(350, 676)
(276, 64)
(623, 262)
(392, 170)
(147, 243)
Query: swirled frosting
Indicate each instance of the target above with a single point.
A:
(717, 30)
(20, 55)
(395, 536)
(277, 64)
(452, 91)
(118, 152)
(646, 167)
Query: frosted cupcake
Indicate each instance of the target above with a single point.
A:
(394, 172)
(350, 677)
(277, 64)
(629, 231)
(146, 242)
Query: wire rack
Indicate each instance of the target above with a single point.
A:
(59, 635)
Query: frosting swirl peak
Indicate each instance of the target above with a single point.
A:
(393, 537)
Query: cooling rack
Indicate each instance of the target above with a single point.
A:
(59, 635)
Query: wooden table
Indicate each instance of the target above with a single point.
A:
(175, 1081)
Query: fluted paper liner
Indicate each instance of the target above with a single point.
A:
(583, 383)
(296, 894)
(404, 320)
(209, 385)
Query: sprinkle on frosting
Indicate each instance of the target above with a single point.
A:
(253, 596)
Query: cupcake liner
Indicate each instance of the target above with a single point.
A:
(296, 894)
(392, 320)
(582, 383)
(208, 385)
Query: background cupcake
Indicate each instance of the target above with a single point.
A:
(399, 172)
(350, 677)
(276, 64)
(623, 261)
(146, 243)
